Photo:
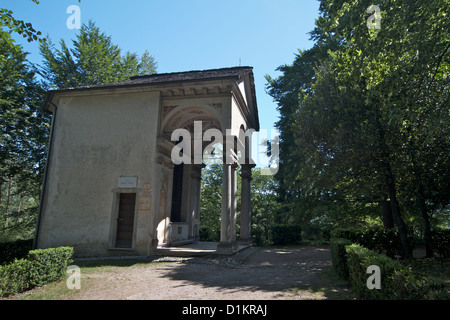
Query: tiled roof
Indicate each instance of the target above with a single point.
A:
(160, 78)
(168, 78)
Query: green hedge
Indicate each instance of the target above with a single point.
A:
(397, 281)
(339, 257)
(38, 268)
(14, 250)
(378, 239)
(283, 234)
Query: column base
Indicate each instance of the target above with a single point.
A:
(225, 248)
(245, 241)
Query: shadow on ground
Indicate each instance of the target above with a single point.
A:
(300, 272)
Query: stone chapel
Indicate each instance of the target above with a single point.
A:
(111, 187)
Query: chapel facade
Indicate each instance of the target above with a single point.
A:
(111, 186)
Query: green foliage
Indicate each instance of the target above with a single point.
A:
(14, 277)
(339, 256)
(441, 240)
(206, 234)
(94, 59)
(263, 200)
(281, 234)
(398, 282)
(24, 131)
(364, 117)
(14, 250)
(38, 268)
(9, 24)
(47, 265)
(264, 205)
(381, 240)
(211, 198)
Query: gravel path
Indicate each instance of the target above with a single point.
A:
(253, 274)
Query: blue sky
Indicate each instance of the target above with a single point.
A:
(185, 35)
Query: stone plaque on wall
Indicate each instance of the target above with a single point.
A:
(128, 182)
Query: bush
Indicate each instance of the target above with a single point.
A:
(14, 250)
(258, 238)
(338, 256)
(48, 265)
(208, 234)
(441, 242)
(205, 233)
(397, 281)
(378, 239)
(281, 234)
(38, 268)
(317, 233)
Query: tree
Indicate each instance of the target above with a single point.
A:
(264, 203)
(263, 200)
(94, 59)
(24, 132)
(12, 24)
(211, 199)
(370, 127)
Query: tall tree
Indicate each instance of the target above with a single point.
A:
(94, 59)
(9, 24)
(369, 124)
(23, 135)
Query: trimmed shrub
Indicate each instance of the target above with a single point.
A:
(316, 233)
(338, 256)
(38, 268)
(48, 265)
(375, 238)
(397, 281)
(283, 234)
(15, 277)
(14, 250)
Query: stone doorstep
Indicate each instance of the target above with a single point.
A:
(200, 249)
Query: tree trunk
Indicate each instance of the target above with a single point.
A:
(388, 219)
(395, 207)
(391, 189)
(20, 202)
(426, 223)
(8, 197)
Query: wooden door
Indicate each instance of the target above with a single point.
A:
(125, 220)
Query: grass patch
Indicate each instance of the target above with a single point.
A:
(91, 271)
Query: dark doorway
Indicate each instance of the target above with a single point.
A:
(125, 220)
(177, 192)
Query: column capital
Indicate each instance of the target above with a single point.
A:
(246, 171)
(196, 171)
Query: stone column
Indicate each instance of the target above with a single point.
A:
(196, 173)
(162, 196)
(228, 224)
(225, 245)
(245, 232)
(233, 206)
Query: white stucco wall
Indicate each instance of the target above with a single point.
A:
(97, 139)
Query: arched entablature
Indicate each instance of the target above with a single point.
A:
(180, 117)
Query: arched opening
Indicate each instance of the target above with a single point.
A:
(189, 129)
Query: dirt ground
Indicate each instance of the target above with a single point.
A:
(253, 274)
